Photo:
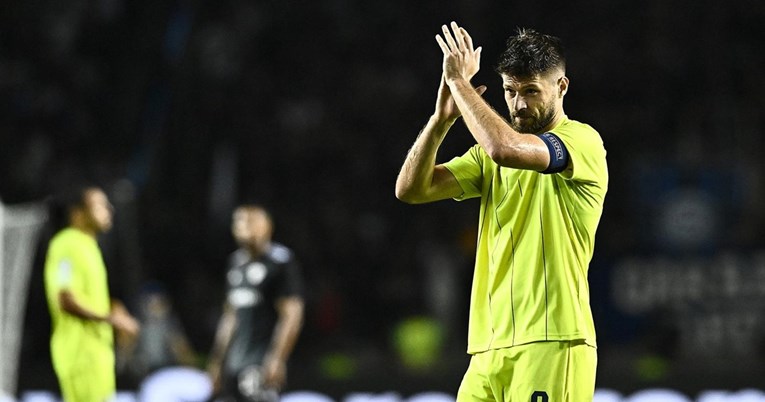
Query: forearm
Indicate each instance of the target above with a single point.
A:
(286, 333)
(117, 308)
(489, 129)
(416, 175)
(222, 338)
(506, 146)
(70, 305)
(182, 349)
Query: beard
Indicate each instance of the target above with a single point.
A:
(530, 124)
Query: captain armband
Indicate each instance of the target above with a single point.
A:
(558, 153)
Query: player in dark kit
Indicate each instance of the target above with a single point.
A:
(263, 313)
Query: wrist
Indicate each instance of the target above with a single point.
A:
(274, 359)
(451, 81)
(442, 123)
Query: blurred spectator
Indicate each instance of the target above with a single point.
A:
(162, 342)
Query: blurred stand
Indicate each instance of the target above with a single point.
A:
(184, 106)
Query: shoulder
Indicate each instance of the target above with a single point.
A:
(67, 239)
(578, 132)
(66, 249)
(64, 235)
(581, 140)
(474, 157)
(57, 240)
(586, 150)
(280, 253)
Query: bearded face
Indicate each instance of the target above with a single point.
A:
(533, 121)
(532, 102)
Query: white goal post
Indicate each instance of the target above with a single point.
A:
(21, 225)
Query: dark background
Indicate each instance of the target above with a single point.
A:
(180, 109)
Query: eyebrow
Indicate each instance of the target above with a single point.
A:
(522, 86)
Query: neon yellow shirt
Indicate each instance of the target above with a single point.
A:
(74, 262)
(536, 240)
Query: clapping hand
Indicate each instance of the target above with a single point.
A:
(461, 60)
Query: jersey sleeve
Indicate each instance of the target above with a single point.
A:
(63, 263)
(468, 170)
(586, 152)
(292, 283)
(588, 171)
(62, 269)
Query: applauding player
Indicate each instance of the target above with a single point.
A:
(542, 180)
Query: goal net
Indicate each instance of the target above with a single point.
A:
(20, 225)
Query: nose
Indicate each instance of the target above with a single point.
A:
(519, 103)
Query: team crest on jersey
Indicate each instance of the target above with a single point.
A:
(243, 297)
(234, 278)
(64, 272)
(256, 272)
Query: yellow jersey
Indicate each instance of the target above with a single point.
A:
(74, 262)
(536, 240)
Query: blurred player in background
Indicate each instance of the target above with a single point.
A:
(542, 180)
(163, 341)
(82, 312)
(263, 312)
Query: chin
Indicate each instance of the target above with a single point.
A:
(523, 129)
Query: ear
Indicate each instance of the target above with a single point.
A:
(562, 86)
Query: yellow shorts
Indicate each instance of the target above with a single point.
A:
(534, 372)
(92, 382)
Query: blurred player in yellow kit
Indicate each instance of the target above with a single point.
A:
(83, 315)
(542, 180)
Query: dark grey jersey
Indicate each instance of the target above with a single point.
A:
(254, 286)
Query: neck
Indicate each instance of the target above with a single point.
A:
(89, 231)
(256, 250)
(558, 116)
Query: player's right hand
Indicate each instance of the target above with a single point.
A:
(446, 109)
(461, 59)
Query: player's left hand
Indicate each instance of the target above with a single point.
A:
(125, 324)
(461, 60)
(274, 372)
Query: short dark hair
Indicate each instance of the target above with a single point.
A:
(530, 53)
(255, 206)
(67, 199)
